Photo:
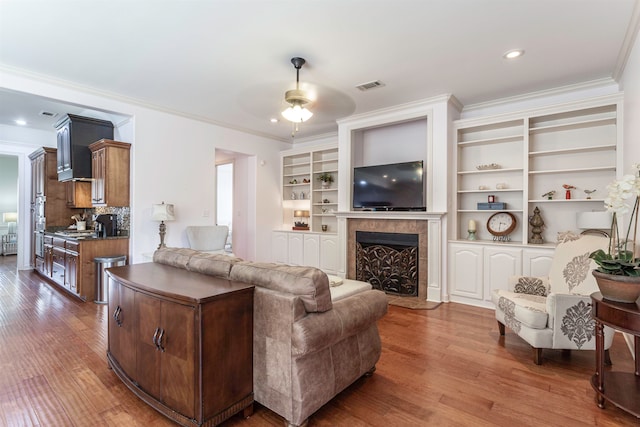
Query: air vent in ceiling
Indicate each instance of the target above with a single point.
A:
(370, 85)
(48, 114)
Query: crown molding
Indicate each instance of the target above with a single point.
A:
(627, 44)
(546, 93)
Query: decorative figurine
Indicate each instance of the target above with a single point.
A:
(568, 187)
(588, 193)
(549, 194)
(537, 224)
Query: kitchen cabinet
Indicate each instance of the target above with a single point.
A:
(78, 194)
(74, 134)
(110, 163)
(185, 351)
(49, 189)
(48, 202)
(71, 260)
(68, 262)
(47, 262)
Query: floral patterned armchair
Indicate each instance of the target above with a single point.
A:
(554, 312)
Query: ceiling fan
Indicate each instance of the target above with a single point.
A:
(297, 99)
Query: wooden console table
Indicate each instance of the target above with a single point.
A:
(182, 341)
(620, 388)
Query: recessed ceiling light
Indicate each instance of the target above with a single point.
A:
(273, 120)
(20, 122)
(513, 54)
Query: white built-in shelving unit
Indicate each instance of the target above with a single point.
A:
(537, 151)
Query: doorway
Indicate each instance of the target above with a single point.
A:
(224, 199)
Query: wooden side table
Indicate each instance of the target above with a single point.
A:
(620, 388)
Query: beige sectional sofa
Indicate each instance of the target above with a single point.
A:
(307, 348)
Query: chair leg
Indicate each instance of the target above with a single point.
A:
(501, 328)
(607, 358)
(537, 356)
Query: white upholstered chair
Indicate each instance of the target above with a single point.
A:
(208, 238)
(554, 312)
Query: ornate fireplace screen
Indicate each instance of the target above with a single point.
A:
(389, 261)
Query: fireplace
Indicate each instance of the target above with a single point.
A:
(389, 261)
(402, 227)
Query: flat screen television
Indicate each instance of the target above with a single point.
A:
(392, 187)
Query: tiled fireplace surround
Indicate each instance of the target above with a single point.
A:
(390, 226)
(428, 227)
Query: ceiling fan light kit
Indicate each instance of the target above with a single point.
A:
(297, 99)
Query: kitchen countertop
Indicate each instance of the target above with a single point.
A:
(75, 235)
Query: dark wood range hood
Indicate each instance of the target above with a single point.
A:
(74, 135)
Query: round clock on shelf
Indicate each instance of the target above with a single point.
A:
(501, 224)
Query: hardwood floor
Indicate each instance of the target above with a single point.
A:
(442, 367)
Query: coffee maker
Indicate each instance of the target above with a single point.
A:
(106, 225)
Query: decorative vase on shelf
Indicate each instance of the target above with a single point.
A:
(618, 288)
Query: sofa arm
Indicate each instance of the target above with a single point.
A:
(349, 316)
(529, 285)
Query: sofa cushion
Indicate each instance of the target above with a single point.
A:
(175, 257)
(348, 288)
(530, 310)
(212, 264)
(309, 283)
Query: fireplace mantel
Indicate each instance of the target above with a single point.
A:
(376, 221)
(411, 215)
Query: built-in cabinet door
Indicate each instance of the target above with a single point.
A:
(280, 247)
(121, 324)
(165, 352)
(329, 254)
(466, 270)
(500, 263)
(311, 256)
(63, 154)
(296, 248)
(98, 170)
(537, 262)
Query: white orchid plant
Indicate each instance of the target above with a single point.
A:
(623, 197)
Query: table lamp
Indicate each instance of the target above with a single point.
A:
(300, 220)
(163, 212)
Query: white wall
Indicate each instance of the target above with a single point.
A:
(173, 160)
(630, 84)
(395, 143)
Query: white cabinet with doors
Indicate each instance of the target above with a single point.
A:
(475, 270)
(310, 249)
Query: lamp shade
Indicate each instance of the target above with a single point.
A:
(301, 214)
(163, 212)
(10, 217)
(598, 220)
(297, 113)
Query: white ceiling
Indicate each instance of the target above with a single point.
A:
(228, 61)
